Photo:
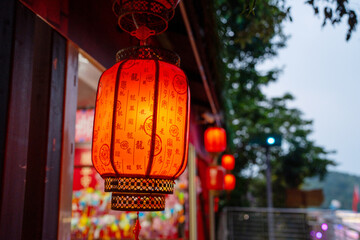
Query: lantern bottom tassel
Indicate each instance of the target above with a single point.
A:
(137, 227)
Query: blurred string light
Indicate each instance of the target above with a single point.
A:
(318, 235)
(324, 226)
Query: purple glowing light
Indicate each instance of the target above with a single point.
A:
(324, 226)
(318, 235)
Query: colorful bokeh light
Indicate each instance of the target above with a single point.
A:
(324, 226)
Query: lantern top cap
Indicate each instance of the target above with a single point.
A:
(147, 52)
(154, 14)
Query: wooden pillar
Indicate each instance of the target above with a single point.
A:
(54, 138)
(68, 150)
(7, 13)
(32, 159)
(192, 193)
(37, 150)
(17, 135)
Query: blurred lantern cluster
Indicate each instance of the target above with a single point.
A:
(219, 177)
(93, 219)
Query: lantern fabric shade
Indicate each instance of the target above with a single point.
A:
(215, 178)
(229, 182)
(228, 162)
(140, 136)
(215, 140)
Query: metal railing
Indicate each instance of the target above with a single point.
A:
(289, 224)
(342, 225)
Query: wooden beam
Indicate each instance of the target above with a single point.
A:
(202, 65)
(17, 138)
(7, 13)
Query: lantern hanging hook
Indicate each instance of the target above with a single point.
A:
(134, 20)
(142, 32)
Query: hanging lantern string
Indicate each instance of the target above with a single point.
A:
(137, 227)
(135, 23)
(142, 32)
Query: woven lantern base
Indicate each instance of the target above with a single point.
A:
(139, 185)
(138, 193)
(137, 202)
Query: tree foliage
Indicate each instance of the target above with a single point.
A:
(251, 31)
(335, 11)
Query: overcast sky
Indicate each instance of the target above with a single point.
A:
(322, 71)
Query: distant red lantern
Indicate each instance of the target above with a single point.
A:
(215, 178)
(228, 162)
(229, 182)
(215, 140)
(140, 137)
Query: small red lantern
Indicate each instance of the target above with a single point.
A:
(229, 182)
(228, 162)
(215, 178)
(140, 136)
(215, 140)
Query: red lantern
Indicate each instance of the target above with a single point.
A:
(215, 140)
(228, 162)
(140, 135)
(215, 178)
(229, 182)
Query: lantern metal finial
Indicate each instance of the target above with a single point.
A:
(143, 18)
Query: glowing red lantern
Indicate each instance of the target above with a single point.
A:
(229, 182)
(215, 140)
(215, 178)
(140, 135)
(228, 162)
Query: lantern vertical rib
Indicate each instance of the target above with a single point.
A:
(155, 109)
(112, 148)
(178, 173)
